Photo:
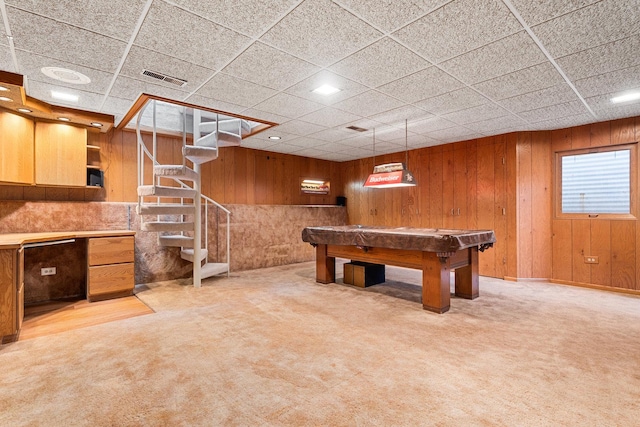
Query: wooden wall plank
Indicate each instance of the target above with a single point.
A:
(512, 204)
(486, 204)
(623, 131)
(460, 187)
(524, 207)
(448, 187)
(472, 185)
(500, 206)
(541, 198)
(435, 187)
(562, 250)
(600, 134)
(601, 247)
(623, 254)
(580, 247)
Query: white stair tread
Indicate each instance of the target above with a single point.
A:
(166, 209)
(213, 269)
(175, 171)
(164, 191)
(166, 226)
(200, 155)
(187, 254)
(176, 240)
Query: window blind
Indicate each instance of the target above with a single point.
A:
(596, 183)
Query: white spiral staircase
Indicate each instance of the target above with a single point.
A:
(172, 203)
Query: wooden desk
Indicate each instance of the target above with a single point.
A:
(110, 269)
(434, 251)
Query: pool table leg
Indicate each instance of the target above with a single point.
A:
(467, 277)
(325, 265)
(436, 282)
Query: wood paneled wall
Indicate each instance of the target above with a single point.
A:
(460, 185)
(239, 175)
(506, 183)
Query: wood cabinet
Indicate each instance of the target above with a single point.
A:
(110, 267)
(11, 293)
(60, 155)
(16, 149)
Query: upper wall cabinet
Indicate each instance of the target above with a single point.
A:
(16, 149)
(61, 154)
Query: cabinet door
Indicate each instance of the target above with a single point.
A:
(16, 149)
(61, 155)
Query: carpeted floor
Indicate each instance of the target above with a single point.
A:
(272, 347)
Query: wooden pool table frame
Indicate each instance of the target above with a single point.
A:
(435, 266)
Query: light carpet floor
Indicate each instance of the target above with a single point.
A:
(273, 347)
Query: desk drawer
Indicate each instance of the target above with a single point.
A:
(110, 250)
(110, 279)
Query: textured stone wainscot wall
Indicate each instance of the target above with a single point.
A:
(261, 235)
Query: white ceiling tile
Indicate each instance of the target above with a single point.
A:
(476, 114)
(348, 88)
(563, 122)
(113, 18)
(215, 104)
(523, 81)
(359, 153)
(235, 90)
(422, 85)
(535, 12)
(602, 59)
(334, 134)
(285, 148)
(458, 27)
(64, 42)
(114, 105)
(129, 88)
(368, 103)
(298, 127)
(399, 115)
(86, 100)
(390, 133)
(454, 134)
(329, 117)
(381, 15)
(257, 144)
(31, 65)
(288, 105)
(607, 110)
(313, 152)
(320, 32)
(140, 59)
(491, 126)
(597, 24)
(554, 112)
(333, 157)
(6, 59)
(612, 82)
(430, 125)
(501, 57)
(270, 67)
(252, 17)
(264, 115)
(453, 101)
(362, 140)
(371, 65)
(385, 147)
(558, 94)
(170, 30)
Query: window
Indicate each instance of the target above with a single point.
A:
(596, 182)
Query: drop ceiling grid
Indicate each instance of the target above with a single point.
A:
(267, 54)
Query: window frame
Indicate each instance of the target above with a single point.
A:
(633, 182)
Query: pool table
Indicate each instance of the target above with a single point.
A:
(434, 251)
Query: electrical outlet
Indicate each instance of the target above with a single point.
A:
(49, 271)
(591, 260)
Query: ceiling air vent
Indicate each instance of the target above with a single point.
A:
(172, 80)
(357, 129)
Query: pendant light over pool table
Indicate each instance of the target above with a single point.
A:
(391, 175)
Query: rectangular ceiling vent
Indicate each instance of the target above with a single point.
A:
(357, 129)
(159, 76)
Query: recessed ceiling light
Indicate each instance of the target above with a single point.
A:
(326, 90)
(66, 75)
(274, 137)
(64, 96)
(2, 88)
(64, 119)
(632, 96)
(4, 98)
(96, 124)
(25, 110)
